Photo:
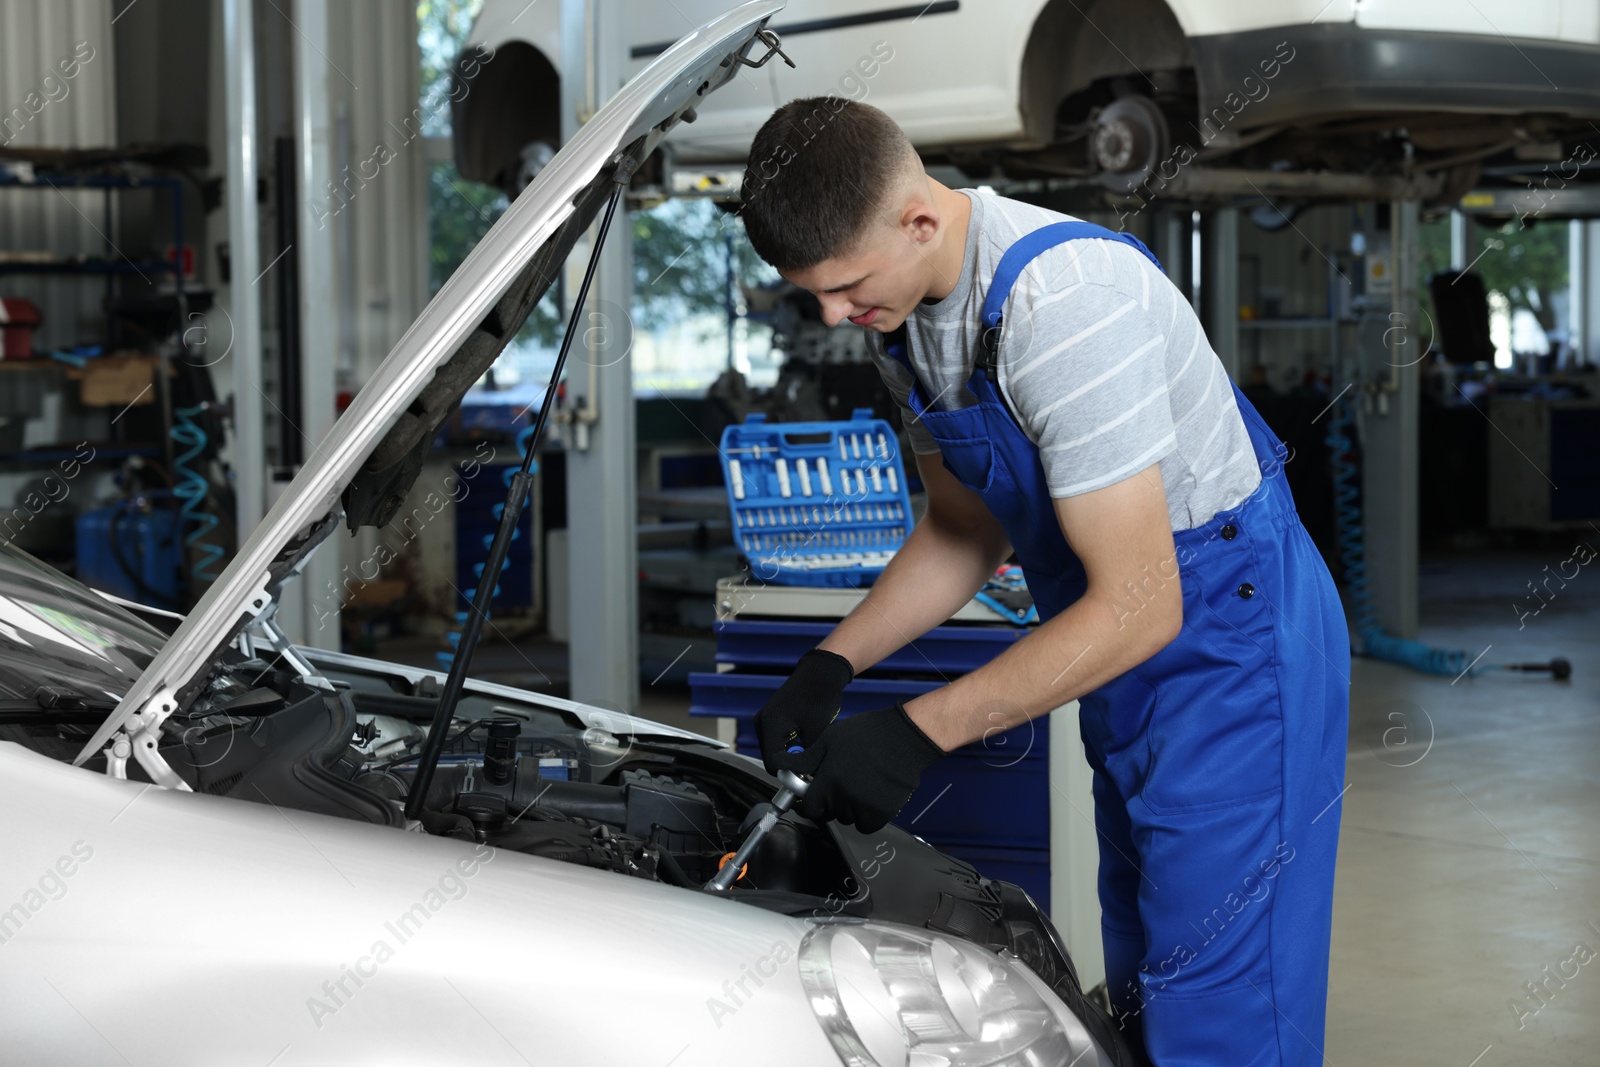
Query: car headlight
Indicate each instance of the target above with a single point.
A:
(894, 996)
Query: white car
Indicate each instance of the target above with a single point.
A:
(1122, 93)
(217, 849)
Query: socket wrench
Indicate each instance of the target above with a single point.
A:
(791, 788)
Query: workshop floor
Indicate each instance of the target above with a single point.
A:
(1469, 858)
(1469, 862)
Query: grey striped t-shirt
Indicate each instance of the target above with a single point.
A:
(1102, 360)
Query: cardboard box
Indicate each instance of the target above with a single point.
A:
(122, 379)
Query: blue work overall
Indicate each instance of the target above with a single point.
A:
(1218, 762)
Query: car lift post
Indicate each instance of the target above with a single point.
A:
(602, 507)
(1388, 354)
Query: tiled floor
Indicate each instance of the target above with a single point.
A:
(1469, 860)
(1470, 850)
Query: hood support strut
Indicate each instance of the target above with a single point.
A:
(516, 497)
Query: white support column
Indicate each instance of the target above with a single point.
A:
(244, 244)
(1390, 441)
(1172, 241)
(1074, 903)
(1461, 252)
(1221, 286)
(319, 327)
(1586, 289)
(602, 507)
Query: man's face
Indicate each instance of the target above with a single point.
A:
(878, 284)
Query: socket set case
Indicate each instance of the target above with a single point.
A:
(816, 503)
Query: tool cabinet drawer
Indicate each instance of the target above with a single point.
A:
(943, 652)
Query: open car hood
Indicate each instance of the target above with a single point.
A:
(365, 466)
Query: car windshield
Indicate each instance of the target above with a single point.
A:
(58, 634)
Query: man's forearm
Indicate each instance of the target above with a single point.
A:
(930, 578)
(1089, 644)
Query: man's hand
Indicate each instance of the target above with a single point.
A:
(864, 768)
(803, 706)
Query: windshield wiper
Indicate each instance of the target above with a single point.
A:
(516, 497)
(51, 705)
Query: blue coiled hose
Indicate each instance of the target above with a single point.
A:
(1375, 643)
(446, 658)
(191, 487)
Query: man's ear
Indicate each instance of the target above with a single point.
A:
(919, 219)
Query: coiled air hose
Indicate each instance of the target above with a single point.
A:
(1375, 642)
(192, 488)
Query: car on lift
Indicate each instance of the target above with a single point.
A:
(222, 847)
(1394, 99)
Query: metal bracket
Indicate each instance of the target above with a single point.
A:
(266, 625)
(261, 601)
(144, 736)
(142, 732)
(262, 608)
(116, 754)
(774, 48)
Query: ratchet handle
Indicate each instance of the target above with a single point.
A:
(791, 788)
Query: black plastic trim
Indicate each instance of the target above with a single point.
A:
(1340, 69)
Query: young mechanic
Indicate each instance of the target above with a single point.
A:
(1064, 405)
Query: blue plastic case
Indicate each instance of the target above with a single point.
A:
(816, 503)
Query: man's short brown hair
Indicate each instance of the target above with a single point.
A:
(819, 169)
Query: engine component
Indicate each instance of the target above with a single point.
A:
(385, 784)
(677, 807)
(791, 787)
(500, 750)
(551, 835)
(488, 811)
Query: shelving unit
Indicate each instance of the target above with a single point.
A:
(114, 264)
(1257, 327)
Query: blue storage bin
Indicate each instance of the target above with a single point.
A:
(816, 503)
(132, 553)
(944, 650)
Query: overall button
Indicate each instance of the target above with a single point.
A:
(1229, 532)
(1247, 590)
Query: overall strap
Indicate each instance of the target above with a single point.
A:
(896, 347)
(1025, 250)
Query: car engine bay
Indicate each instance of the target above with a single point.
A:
(520, 774)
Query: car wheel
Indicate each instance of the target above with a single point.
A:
(1129, 141)
(530, 161)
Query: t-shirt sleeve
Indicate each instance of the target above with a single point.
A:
(898, 381)
(1085, 369)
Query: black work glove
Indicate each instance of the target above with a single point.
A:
(863, 769)
(803, 706)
